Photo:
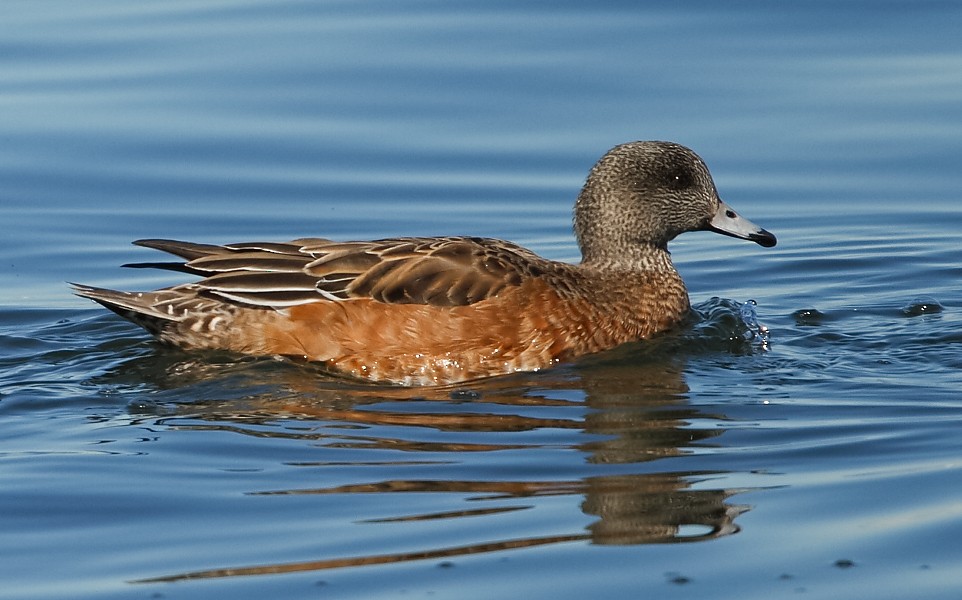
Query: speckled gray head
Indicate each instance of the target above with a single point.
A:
(643, 194)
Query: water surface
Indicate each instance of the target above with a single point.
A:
(824, 461)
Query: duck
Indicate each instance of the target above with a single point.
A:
(437, 311)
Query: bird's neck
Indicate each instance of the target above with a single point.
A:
(650, 258)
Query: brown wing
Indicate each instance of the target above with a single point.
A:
(438, 271)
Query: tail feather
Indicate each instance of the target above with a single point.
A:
(179, 267)
(185, 250)
(140, 308)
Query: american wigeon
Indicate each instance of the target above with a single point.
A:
(432, 311)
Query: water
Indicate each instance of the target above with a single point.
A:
(713, 463)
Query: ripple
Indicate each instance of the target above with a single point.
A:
(922, 306)
(728, 325)
(808, 316)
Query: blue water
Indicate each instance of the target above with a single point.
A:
(824, 462)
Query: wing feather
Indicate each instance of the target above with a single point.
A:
(249, 261)
(437, 271)
(246, 281)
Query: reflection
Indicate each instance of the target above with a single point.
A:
(615, 414)
(475, 490)
(361, 561)
(644, 509)
(451, 514)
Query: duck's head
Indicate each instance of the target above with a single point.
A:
(640, 195)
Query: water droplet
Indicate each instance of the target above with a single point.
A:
(756, 331)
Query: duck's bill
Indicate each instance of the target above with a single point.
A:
(726, 221)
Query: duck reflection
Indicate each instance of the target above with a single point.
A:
(616, 414)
